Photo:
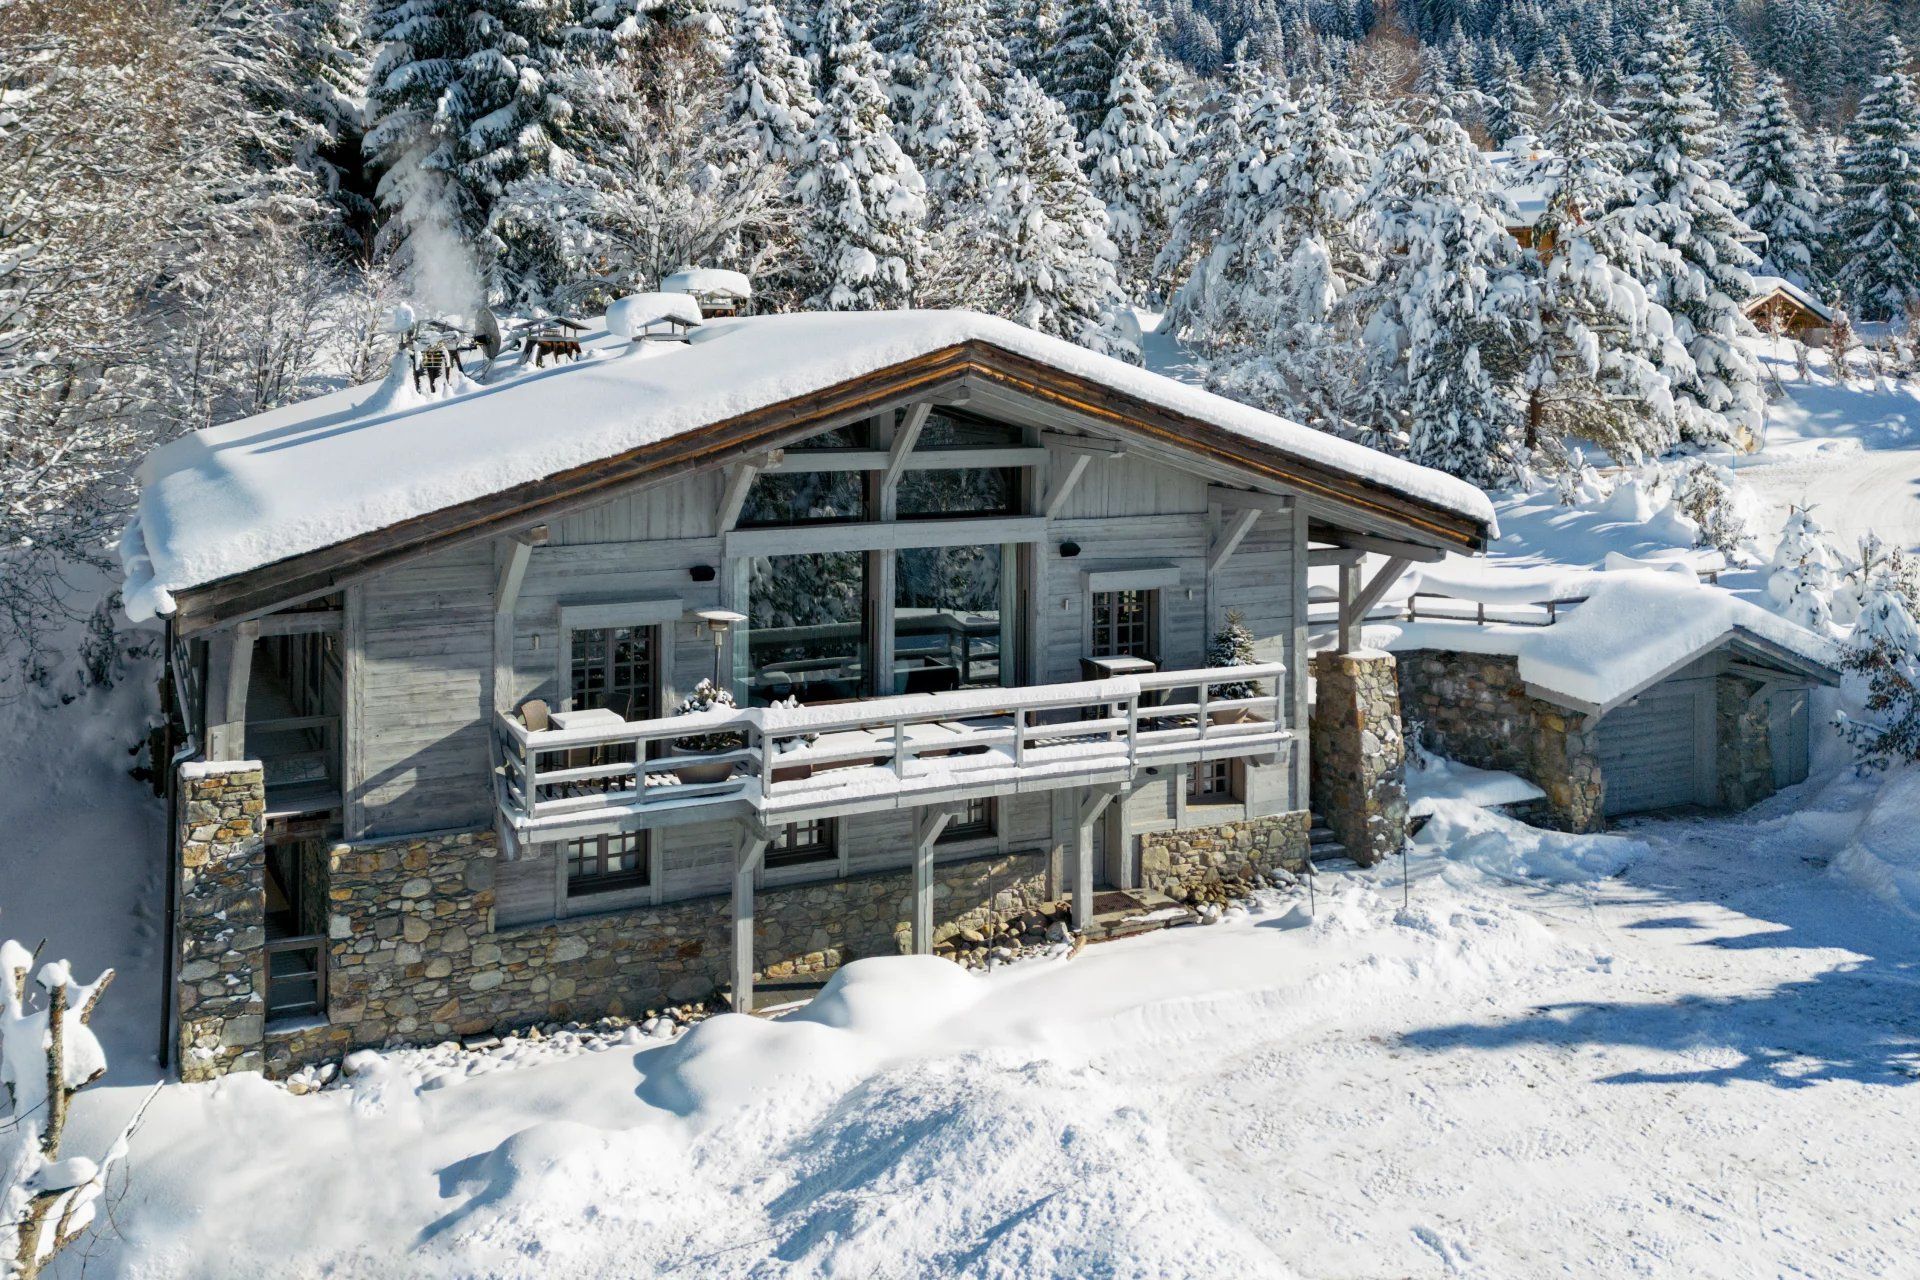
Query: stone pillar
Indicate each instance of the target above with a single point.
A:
(1358, 752)
(220, 981)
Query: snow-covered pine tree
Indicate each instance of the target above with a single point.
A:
(1877, 224)
(667, 179)
(1052, 264)
(868, 202)
(1442, 315)
(943, 92)
(1804, 572)
(1095, 38)
(1775, 170)
(1596, 341)
(1232, 646)
(1031, 30)
(1131, 156)
(462, 102)
(1883, 653)
(771, 92)
(1223, 305)
(1206, 165)
(1685, 239)
(1511, 106)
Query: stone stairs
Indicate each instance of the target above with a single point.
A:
(1322, 844)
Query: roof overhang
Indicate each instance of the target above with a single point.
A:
(1329, 490)
(1758, 657)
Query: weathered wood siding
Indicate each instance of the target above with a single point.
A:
(416, 751)
(421, 639)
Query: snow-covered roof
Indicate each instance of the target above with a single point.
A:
(1512, 173)
(1765, 287)
(1635, 628)
(713, 281)
(232, 498)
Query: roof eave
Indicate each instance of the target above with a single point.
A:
(325, 569)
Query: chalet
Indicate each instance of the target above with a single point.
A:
(690, 665)
(1779, 306)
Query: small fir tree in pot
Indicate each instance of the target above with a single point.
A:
(1232, 646)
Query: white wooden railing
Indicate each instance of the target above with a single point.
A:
(786, 760)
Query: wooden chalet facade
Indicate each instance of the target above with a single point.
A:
(961, 601)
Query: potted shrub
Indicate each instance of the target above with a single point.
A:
(707, 696)
(1232, 646)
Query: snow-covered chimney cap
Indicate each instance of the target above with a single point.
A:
(631, 317)
(716, 282)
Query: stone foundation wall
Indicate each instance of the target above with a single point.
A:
(1172, 860)
(1745, 755)
(220, 981)
(1358, 753)
(416, 957)
(1475, 709)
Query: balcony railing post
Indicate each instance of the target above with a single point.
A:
(1019, 736)
(900, 747)
(1133, 727)
(769, 748)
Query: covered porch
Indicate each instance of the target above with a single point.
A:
(766, 767)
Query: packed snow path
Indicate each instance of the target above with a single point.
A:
(1707, 1064)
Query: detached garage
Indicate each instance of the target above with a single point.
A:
(1727, 731)
(1653, 694)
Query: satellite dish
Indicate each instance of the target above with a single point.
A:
(487, 332)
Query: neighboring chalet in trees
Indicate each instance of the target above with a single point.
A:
(1779, 306)
(958, 578)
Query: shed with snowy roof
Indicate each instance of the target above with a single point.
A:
(1617, 692)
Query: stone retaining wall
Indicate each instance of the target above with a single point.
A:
(1358, 753)
(1172, 860)
(416, 957)
(219, 986)
(1475, 708)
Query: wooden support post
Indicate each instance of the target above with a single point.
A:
(229, 671)
(746, 863)
(903, 442)
(512, 559)
(926, 834)
(1063, 485)
(1349, 589)
(1090, 810)
(1354, 610)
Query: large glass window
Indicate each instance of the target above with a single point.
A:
(952, 618)
(1123, 624)
(961, 491)
(613, 667)
(806, 633)
(810, 497)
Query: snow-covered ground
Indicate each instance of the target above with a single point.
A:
(1707, 1064)
(1851, 451)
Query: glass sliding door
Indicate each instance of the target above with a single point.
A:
(806, 628)
(953, 618)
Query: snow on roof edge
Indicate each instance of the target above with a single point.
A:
(232, 498)
(1634, 626)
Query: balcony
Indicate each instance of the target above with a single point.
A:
(781, 764)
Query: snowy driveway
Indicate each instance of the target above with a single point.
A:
(1708, 1065)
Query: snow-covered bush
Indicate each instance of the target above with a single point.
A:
(1883, 653)
(1706, 495)
(47, 1054)
(1232, 646)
